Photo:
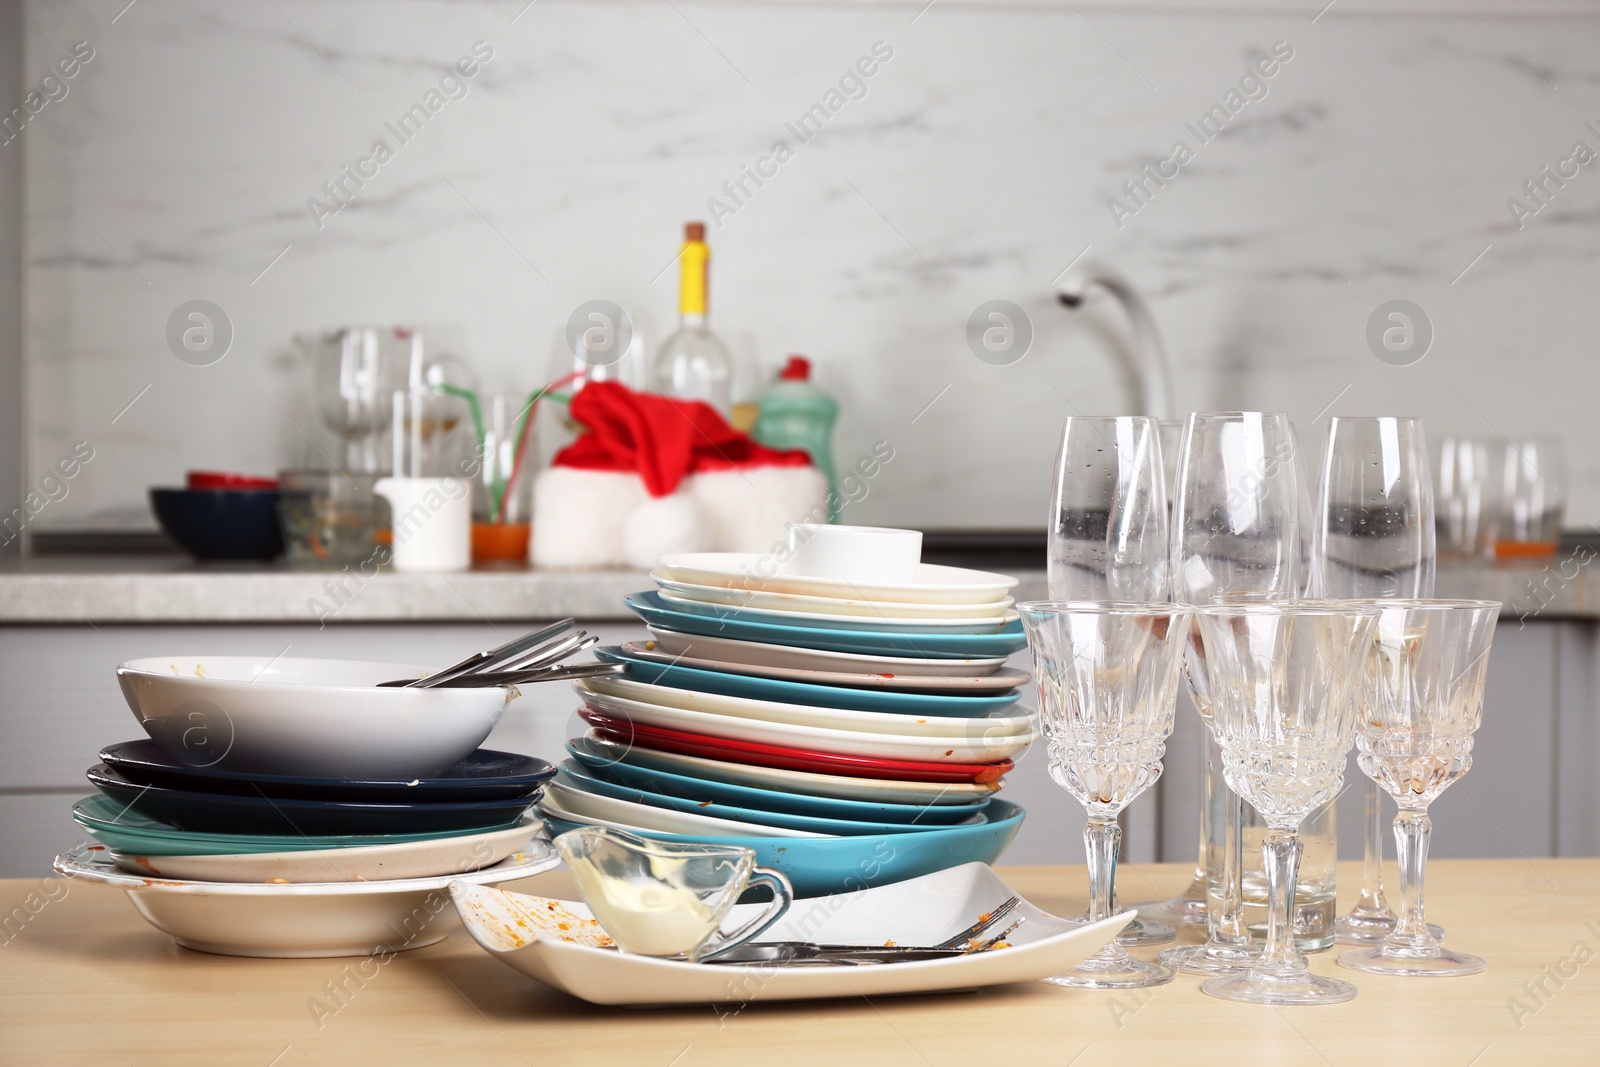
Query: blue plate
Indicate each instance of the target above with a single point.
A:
(483, 775)
(222, 813)
(128, 831)
(575, 776)
(919, 643)
(601, 763)
(818, 866)
(805, 693)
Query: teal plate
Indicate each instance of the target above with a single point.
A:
(599, 762)
(818, 866)
(128, 831)
(748, 687)
(919, 643)
(575, 776)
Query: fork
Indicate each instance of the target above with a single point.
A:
(805, 953)
(984, 922)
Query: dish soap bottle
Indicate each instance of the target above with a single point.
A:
(693, 363)
(796, 414)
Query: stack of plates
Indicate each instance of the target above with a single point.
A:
(851, 734)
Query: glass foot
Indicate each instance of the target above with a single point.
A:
(1141, 933)
(1255, 987)
(1371, 929)
(1437, 962)
(1210, 958)
(1119, 972)
(1179, 911)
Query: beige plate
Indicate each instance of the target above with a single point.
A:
(998, 682)
(761, 654)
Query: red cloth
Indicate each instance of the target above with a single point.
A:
(664, 440)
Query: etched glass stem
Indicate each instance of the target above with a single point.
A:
(1281, 853)
(1411, 832)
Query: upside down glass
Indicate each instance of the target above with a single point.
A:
(1286, 684)
(1416, 741)
(1108, 682)
(1374, 537)
(1235, 535)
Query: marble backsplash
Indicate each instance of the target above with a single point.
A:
(196, 153)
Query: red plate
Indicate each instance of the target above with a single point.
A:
(224, 480)
(793, 759)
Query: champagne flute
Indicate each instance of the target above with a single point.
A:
(1374, 538)
(1427, 702)
(1287, 681)
(1235, 536)
(1108, 538)
(1108, 683)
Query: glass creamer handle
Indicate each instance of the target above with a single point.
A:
(782, 897)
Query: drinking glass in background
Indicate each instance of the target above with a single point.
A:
(1427, 702)
(1286, 680)
(1108, 512)
(1534, 498)
(1236, 533)
(430, 489)
(502, 493)
(330, 518)
(1374, 539)
(1467, 497)
(355, 370)
(1108, 683)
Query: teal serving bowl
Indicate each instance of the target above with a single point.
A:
(818, 866)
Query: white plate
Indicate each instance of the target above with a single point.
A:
(563, 800)
(966, 624)
(977, 745)
(307, 919)
(998, 682)
(624, 694)
(824, 605)
(805, 782)
(918, 911)
(762, 654)
(747, 570)
(372, 863)
(310, 718)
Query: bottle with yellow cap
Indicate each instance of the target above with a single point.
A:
(693, 363)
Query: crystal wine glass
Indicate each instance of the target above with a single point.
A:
(1374, 538)
(1235, 535)
(1108, 683)
(1286, 681)
(1415, 741)
(1108, 512)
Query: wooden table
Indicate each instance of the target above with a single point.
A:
(83, 980)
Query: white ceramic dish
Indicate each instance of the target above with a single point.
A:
(964, 624)
(624, 694)
(824, 605)
(853, 553)
(372, 863)
(980, 742)
(811, 783)
(747, 570)
(918, 911)
(563, 801)
(998, 682)
(762, 654)
(308, 919)
(313, 718)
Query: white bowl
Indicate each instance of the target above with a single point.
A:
(300, 920)
(853, 553)
(313, 718)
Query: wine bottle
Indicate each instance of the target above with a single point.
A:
(693, 363)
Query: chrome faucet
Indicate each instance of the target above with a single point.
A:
(1149, 355)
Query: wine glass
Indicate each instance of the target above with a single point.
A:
(1374, 538)
(1466, 496)
(1286, 680)
(1108, 512)
(355, 371)
(1416, 741)
(1235, 535)
(1108, 684)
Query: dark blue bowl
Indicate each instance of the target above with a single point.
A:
(221, 523)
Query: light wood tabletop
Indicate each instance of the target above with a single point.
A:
(84, 980)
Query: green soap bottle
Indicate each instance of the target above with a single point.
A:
(796, 414)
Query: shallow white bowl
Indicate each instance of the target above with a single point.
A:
(314, 718)
(300, 920)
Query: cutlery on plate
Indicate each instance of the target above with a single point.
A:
(1004, 908)
(509, 651)
(806, 953)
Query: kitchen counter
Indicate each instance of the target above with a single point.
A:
(171, 589)
(84, 979)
